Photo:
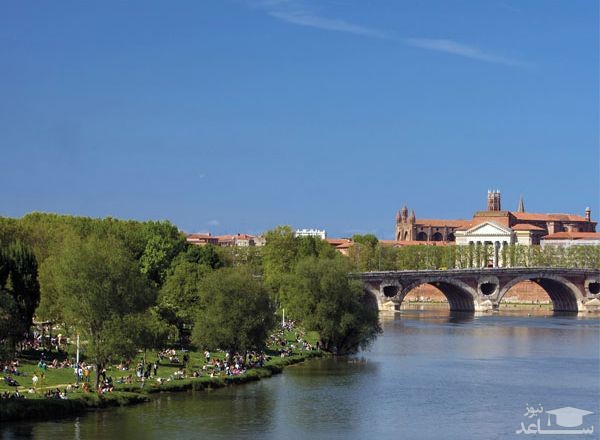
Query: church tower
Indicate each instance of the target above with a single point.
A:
(493, 201)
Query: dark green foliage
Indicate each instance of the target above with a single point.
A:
(179, 297)
(204, 255)
(235, 314)
(153, 244)
(279, 254)
(19, 291)
(367, 239)
(321, 296)
(148, 330)
(97, 285)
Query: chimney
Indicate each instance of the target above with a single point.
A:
(588, 214)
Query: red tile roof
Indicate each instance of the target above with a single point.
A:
(573, 236)
(337, 241)
(526, 227)
(529, 216)
(199, 236)
(440, 223)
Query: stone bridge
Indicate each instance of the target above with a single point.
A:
(571, 290)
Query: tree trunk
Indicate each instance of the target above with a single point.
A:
(98, 371)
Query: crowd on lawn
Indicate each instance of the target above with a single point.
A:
(229, 364)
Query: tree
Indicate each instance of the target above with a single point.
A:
(99, 285)
(19, 279)
(324, 299)
(149, 331)
(205, 255)
(158, 254)
(279, 254)
(179, 297)
(366, 252)
(236, 313)
(9, 320)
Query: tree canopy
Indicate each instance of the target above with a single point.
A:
(324, 299)
(235, 313)
(20, 289)
(97, 285)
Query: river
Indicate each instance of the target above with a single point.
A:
(430, 375)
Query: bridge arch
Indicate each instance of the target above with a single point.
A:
(461, 297)
(565, 296)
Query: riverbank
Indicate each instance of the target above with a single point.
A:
(38, 409)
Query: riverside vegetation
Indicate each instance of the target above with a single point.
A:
(129, 288)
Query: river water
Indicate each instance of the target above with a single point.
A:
(430, 375)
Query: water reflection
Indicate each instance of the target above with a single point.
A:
(431, 374)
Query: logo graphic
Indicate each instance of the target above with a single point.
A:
(567, 417)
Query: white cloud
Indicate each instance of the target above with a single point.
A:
(213, 223)
(331, 24)
(296, 12)
(454, 48)
(293, 11)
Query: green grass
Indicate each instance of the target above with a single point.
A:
(62, 377)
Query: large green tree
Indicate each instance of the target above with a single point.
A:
(179, 297)
(97, 286)
(19, 280)
(149, 331)
(236, 312)
(324, 299)
(279, 254)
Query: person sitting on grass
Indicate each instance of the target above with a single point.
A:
(10, 381)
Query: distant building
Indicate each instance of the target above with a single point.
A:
(340, 244)
(567, 239)
(202, 239)
(498, 228)
(311, 233)
(491, 226)
(241, 240)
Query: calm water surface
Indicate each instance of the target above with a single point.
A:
(431, 375)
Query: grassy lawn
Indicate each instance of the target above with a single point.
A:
(62, 377)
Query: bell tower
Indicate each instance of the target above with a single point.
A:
(493, 200)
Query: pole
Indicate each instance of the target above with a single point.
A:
(77, 367)
(283, 319)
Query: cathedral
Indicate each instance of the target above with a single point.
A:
(493, 226)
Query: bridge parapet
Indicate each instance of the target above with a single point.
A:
(572, 290)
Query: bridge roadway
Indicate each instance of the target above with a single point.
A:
(571, 290)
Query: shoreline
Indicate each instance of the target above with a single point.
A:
(37, 410)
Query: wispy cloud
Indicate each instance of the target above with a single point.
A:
(297, 13)
(331, 24)
(454, 48)
(213, 223)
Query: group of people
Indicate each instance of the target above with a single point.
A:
(7, 395)
(285, 348)
(229, 364)
(55, 394)
(11, 367)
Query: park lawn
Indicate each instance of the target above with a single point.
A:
(62, 377)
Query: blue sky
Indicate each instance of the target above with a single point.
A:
(238, 115)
